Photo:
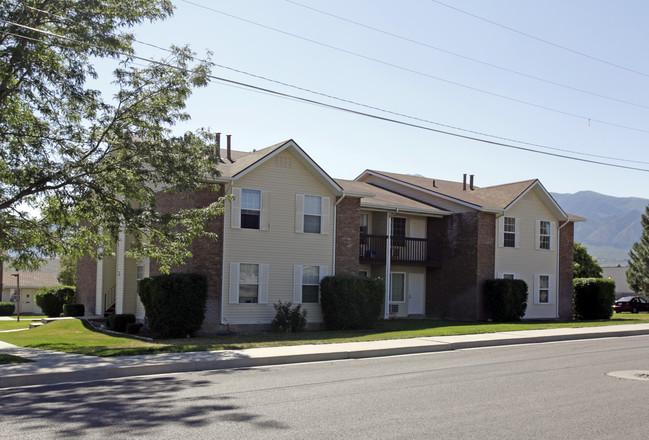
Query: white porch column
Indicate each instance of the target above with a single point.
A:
(119, 274)
(99, 289)
(388, 263)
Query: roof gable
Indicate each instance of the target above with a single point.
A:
(243, 163)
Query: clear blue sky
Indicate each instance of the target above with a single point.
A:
(404, 74)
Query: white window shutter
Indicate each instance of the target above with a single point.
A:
(517, 226)
(299, 213)
(324, 272)
(297, 284)
(264, 221)
(537, 235)
(553, 235)
(234, 283)
(263, 284)
(501, 231)
(552, 288)
(537, 287)
(324, 220)
(500, 276)
(236, 209)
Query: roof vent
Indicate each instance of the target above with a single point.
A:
(464, 183)
(471, 182)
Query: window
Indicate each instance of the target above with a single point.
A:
(312, 214)
(248, 283)
(310, 284)
(509, 232)
(362, 273)
(543, 289)
(306, 282)
(397, 287)
(398, 231)
(544, 233)
(508, 276)
(250, 208)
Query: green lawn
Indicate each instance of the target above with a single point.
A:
(76, 337)
(15, 324)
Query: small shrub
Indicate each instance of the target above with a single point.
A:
(74, 310)
(133, 328)
(118, 322)
(351, 302)
(505, 299)
(174, 303)
(52, 299)
(288, 318)
(593, 298)
(7, 308)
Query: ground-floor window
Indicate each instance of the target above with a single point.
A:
(397, 287)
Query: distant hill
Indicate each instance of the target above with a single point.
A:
(613, 223)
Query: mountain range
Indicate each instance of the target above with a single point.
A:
(612, 226)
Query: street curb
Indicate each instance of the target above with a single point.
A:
(319, 353)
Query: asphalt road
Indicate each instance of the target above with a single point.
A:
(541, 391)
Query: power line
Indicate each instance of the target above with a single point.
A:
(322, 104)
(567, 49)
(455, 83)
(484, 63)
(243, 72)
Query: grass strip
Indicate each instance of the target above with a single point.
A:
(77, 336)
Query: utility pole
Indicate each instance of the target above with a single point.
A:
(17, 275)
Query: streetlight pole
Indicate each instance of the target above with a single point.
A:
(17, 275)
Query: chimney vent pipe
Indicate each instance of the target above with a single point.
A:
(218, 147)
(464, 183)
(229, 147)
(471, 182)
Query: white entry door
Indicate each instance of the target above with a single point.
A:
(416, 293)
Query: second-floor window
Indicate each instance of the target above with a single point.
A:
(544, 234)
(509, 232)
(398, 231)
(312, 214)
(250, 208)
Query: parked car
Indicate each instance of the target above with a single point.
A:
(633, 304)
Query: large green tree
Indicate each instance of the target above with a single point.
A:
(637, 275)
(76, 167)
(583, 264)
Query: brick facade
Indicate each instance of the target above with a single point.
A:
(87, 284)
(454, 290)
(566, 254)
(208, 254)
(348, 224)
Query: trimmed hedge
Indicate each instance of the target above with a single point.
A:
(52, 299)
(174, 303)
(119, 322)
(74, 310)
(593, 298)
(351, 302)
(288, 318)
(505, 299)
(7, 308)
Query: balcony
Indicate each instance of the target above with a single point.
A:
(406, 251)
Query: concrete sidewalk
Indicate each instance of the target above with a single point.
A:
(53, 367)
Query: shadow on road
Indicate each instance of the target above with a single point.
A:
(120, 408)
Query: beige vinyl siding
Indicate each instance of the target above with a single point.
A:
(281, 247)
(130, 299)
(109, 274)
(526, 261)
(408, 270)
(416, 194)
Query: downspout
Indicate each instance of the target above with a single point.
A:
(388, 263)
(558, 277)
(223, 238)
(333, 265)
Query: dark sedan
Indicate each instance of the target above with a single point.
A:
(633, 304)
